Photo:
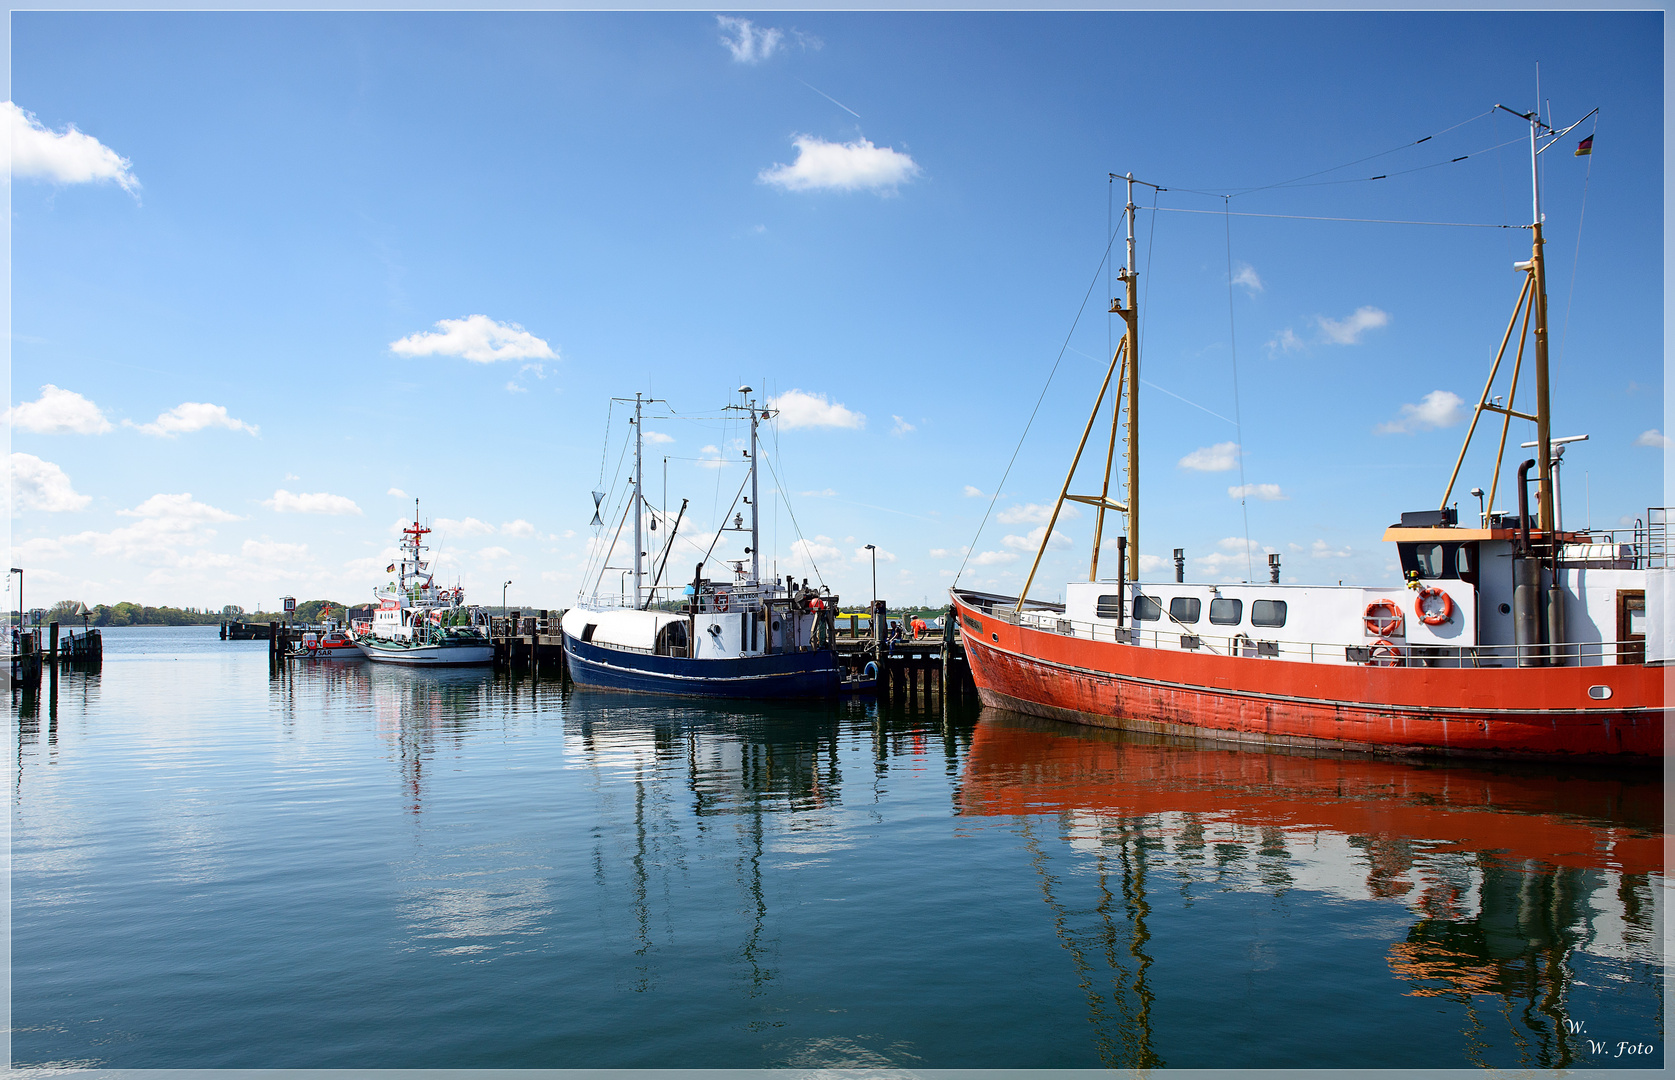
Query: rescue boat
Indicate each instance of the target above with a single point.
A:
(1511, 636)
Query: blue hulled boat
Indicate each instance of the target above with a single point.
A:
(738, 638)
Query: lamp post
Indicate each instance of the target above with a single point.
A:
(504, 586)
(874, 550)
(1482, 516)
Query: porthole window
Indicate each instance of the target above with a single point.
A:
(1185, 609)
(1226, 612)
(1147, 609)
(1267, 613)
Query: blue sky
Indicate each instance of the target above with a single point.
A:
(299, 268)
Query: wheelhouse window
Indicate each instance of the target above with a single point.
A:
(1147, 609)
(1431, 561)
(1226, 612)
(1109, 607)
(1267, 613)
(1185, 609)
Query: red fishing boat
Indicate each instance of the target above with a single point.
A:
(1515, 637)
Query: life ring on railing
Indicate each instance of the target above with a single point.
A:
(1384, 654)
(720, 601)
(1433, 615)
(1383, 618)
(870, 671)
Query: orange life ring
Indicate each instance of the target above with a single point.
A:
(1384, 653)
(721, 601)
(1435, 616)
(1383, 618)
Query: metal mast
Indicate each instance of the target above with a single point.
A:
(755, 533)
(1538, 274)
(639, 501)
(1132, 317)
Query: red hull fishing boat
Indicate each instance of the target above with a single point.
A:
(1515, 638)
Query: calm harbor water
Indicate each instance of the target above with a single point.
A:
(348, 866)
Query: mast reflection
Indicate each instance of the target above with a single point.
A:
(1510, 871)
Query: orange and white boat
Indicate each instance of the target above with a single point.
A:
(1513, 638)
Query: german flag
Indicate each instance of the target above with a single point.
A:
(1585, 147)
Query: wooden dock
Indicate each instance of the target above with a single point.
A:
(925, 671)
(31, 655)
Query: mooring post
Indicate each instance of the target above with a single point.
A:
(52, 638)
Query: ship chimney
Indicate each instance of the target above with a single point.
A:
(1274, 568)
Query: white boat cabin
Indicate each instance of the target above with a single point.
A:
(723, 622)
(1457, 609)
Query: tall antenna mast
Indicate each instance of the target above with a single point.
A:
(638, 499)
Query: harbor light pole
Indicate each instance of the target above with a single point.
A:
(503, 588)
(874, 550)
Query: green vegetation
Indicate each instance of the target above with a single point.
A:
(70, 612)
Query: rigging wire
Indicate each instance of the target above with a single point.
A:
(1233, 348)
(1576, 259)
(806, 552)
(1031, 421)
(1348, 164)
(1317, 217)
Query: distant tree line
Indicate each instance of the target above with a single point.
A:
(71, 612)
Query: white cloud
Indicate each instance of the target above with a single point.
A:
(476, 338)
(901, 427)
(1035, 513)
(469, 527)
(58, 412)
(190, 416)
(180, 507)
(817, 549)
(400, 494)
(824, 494)
(800, 409)
(1285, 341)
(972, 492)
(41, 485)
(1438, 409)
(1032, 541)
(747, 43)
(1348, 330)
(63, 157)
(519, 528)
(1654, 439)
(283, 502)
(1323, 550)
(992, 558)
(712, 458)
(514, 388)
(1218, 458)
(939, 553)
(1246, 276)
(656, 437)
(273, 552)
(1265, 492)
(493, 555)
(823, 165)
(864, 555)
(1150, 563)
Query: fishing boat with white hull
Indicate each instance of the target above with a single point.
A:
(1514, 638)
(418, 623)
(743, 638)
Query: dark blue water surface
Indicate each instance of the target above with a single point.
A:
(352, 866)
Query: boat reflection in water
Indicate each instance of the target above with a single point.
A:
(1528, 890)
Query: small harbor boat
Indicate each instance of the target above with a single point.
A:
(1515, 637)
(418, 623)
(738, 638)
